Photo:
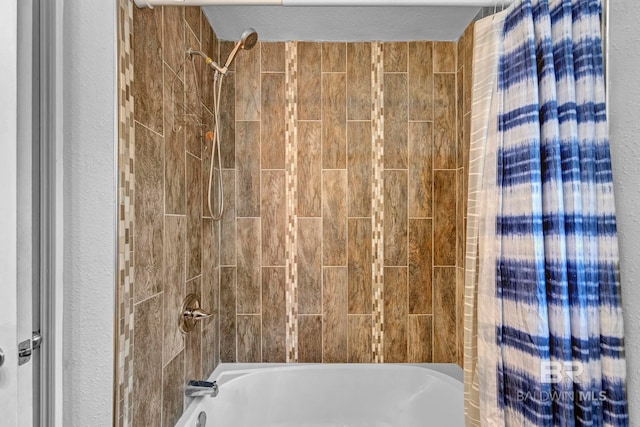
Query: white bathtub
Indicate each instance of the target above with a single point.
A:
(360, 395)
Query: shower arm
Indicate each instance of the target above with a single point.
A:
(209, 61)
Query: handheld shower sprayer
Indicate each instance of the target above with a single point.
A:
(248, 40)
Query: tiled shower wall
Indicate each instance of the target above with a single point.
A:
(345, 176)
(344, 186)
(168, 244)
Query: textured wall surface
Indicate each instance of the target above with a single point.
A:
(89, 214)
(625, 152)
(345, 187)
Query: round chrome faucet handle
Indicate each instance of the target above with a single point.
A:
(198, 313)
(191, 313)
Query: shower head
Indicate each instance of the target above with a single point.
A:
(248, 40)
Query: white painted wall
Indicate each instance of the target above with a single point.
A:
(89, 211)
(625, 151)
(89, 199)
(8, 210)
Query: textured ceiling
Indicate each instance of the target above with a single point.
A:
(281, 23)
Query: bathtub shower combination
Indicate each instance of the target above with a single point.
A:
(336, 395)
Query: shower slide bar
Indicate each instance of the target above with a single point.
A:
(472, 3)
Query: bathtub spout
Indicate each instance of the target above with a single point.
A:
(201, 388)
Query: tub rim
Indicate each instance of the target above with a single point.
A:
(450, 373)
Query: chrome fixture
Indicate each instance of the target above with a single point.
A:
(191, 313)
(202, 419)
(248, 40)
(1, 357)
(201, 388)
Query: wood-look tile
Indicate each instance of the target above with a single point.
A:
(147, 362)
(210, 255)
(309, 169)
(396, 57)
(248, 169)
(395, 121)
(359, 81)
(274, 217)
(468, 66)
(228, 122)
(445, 347)
(209, 44)
(248, 85)
(309, 254)
(249, 342)
(460, 144)
(272, 126)
(274, 317)
(192, 101)
(173, 379)
(420, 266)
(360, 260)
(359, 338)
(149, 221)
(147, 55)
(248, 258)
(420, 169)
(310, 339)
(444, 147)
(334, 217)
(334, 121)
(359, 168)
(420, 339)
(174, 161)
(174, 36)
(272, 57)
(334, 57)
(309, 81)
(460, 314)
(194, 216)
(444, 218)
(467, 141)
(192, 17)
(227, 314)
(193, 340)
(461, 53)
(395, 314)
(228, 221)
(335, 309)
(420, 81)
(444, 57)
(460, 214)
(175, 231)
(210, 349)
(395, 218)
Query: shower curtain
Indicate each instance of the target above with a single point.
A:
(543, 321)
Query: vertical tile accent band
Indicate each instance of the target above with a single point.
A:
(291, 161)
(377, 200)
(126, 213)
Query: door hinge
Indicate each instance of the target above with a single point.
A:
(26, 348)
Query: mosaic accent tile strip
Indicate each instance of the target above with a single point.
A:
(126, 180)
(291, 162)
(377, 200)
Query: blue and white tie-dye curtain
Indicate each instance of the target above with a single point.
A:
(559, 348)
